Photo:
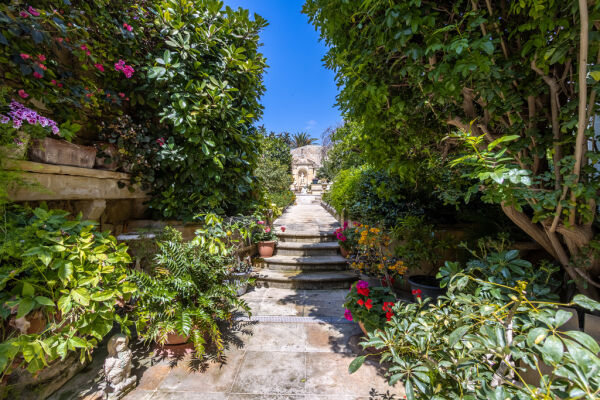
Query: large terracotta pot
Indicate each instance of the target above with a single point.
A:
(175, 339)
(266, 249)
(61, 152)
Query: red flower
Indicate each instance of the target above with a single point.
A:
(37, 75)
(42, 57)
(282, 229)
(389, 315)
(23, 94)
(369, 304)
(360, 302)
(363, 291)
(160, 141)
(24, 56)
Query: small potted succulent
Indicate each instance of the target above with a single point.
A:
(263, 235)
(371, 307)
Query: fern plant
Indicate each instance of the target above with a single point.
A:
(186, 293)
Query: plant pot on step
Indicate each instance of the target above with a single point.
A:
(174, 339)
(425, 286)
(344, 252)
(266, 249)
(237, 278)
(61, 152)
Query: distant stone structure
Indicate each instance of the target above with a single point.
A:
(306, 161)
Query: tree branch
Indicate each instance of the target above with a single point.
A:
(533, 230)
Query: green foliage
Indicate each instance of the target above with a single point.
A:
(204, 82)
(498, 319)
(273, 170)
(64, 273)
(342, 153)
(186, 292)
(503, 79)
(182, 79)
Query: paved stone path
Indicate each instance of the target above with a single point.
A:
(298, 346)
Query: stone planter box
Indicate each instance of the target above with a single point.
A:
(16, 151)
(60, 152)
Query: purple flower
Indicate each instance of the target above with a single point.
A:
(55, 130)
(362, 285)
(348, 315)
(17, 123)
(4, 119)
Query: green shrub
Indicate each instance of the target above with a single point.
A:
(64, 273)
(186, 293)
(498, 318)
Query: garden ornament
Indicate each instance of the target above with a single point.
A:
(117, 368)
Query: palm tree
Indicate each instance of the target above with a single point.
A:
(302, 139)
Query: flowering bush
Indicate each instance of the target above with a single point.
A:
(498, 319)
(374, 256)
(370, 305)
(346, 237)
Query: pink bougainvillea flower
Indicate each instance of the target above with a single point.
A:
(260, 222)
(37, 75)
(345, 224)
(23, 94)
(128, 27)
(53, 82)
(267, 230)
(24, 14)
(24, 56)
(126, 98)
(42, 66)
(161, 141)
(348, 315)
(83, 47)
(100, 67)
(59, 84)
(121, 95)
(59, 40)
(33, 11)
(41, 57)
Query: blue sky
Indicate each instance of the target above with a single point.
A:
(300, 92)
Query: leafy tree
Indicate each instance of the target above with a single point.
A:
(302, 139)
(510, 79)
(273, 169)
(342, 152)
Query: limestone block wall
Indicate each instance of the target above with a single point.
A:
(99, 195)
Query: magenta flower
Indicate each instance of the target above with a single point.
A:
(24, 14)
(42, 57)
(19, 113)
(24, 56)
(267, 229)
(33, 11)
(121, 94)
(126, 69)
(23, 94)
(362, 284)
(161, 141)
(260, 222)
(128, 27)
(345, 225)
(348, 315)
(100, 67)
(37, 75)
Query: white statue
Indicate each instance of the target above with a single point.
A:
(302, 181)
(117, 368)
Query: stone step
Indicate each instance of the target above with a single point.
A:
(301, 249)
(313, 263)
(306, 236)
(305, 280)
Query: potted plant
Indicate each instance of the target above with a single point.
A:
(187, 292)
(265, 237)
(346, 239)
(369, 306)
(240, 275)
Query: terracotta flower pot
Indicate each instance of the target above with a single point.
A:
(344, 252)
(175, 339)
(362, 328)
(61, 152)
(266, 249)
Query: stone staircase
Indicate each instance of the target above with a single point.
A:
(307, 255)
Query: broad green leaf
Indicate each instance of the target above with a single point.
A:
(562, 316)
(81, 295)
(65, 304)
(356, 364)
(44, 301)
(28, 290)
(103, 295)
(585, 340)
(552, 350)
(536, 336)
(26, 304)
(586, 302)
(65, 271)
(457, 335)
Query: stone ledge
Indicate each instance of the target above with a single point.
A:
(59, 182)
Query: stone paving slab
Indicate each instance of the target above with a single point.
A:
(277, 360)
